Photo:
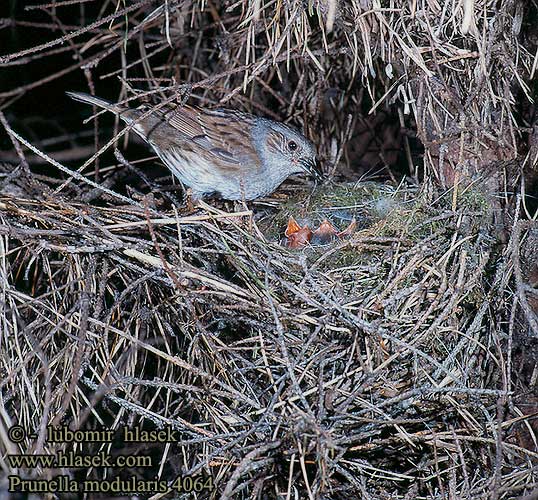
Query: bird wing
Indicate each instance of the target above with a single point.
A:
(224, 134)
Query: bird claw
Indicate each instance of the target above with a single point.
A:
(191, 201)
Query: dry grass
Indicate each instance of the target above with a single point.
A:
(281, 370)
(384, 366)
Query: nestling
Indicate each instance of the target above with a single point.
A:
(233, 154)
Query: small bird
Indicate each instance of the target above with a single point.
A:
(232, 154)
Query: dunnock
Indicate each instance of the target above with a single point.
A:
(233, 154)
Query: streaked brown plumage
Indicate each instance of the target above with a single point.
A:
(236, 155)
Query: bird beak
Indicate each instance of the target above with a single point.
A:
(311, 168)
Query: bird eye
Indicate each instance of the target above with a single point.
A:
(292, 145)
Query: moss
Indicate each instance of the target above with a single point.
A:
(381, 212)
(473, 199)
(340, 203)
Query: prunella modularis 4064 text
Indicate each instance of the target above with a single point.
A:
(233, 154)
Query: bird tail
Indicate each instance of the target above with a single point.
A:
(97, 101)
(125, 113)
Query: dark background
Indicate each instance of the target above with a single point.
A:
(45, 116)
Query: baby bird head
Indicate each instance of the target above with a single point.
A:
(286, 147)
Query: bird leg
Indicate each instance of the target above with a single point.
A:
(190, 200)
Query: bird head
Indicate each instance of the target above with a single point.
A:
(291, 149)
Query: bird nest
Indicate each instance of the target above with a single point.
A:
(367, 366)
(393, 359)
